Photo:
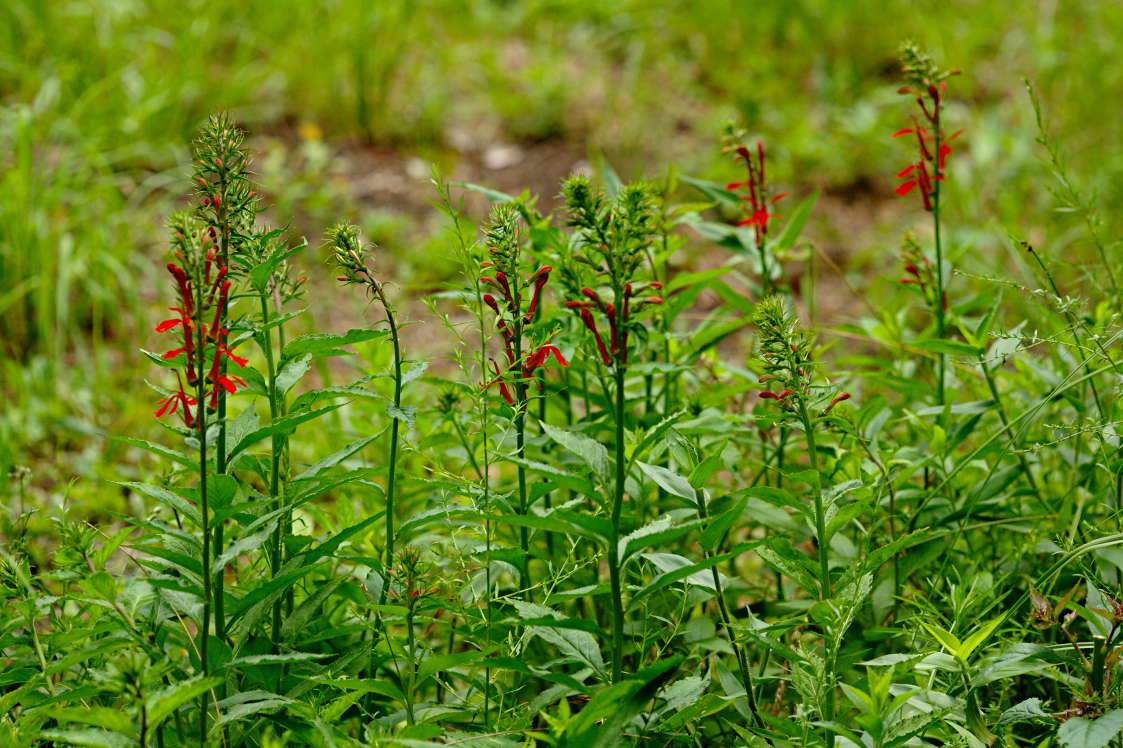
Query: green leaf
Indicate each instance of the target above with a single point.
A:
(159, 449)
(779, 554)
(713, 190)
(335, 458)
(592, 452)
(260, 273)
(440, 663)
(88, 736)
(946, 639)
(1079, 732)
(493, 196)
(167, 498)
(719, 525)
(161, 704)
(653, 534)
(972, 642)
(283, 425)
(549, 523)
(669, 481)
(98, 716)
(670, 577)
(575, 644)
(326, 344)
(291, 373)
(308, 609)
(794, 226)
(406, 413)
(949, 347)
(247, 704)
(1024, 711)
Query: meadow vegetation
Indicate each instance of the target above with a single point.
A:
(442, 374)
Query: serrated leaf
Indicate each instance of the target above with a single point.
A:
(578, 645)
(291, 373)
(591, 451)
(1079, 732)
(405, 413)
(1023, 711)
(283, 425)
(320, 344)
(88, 736)
(163, 703)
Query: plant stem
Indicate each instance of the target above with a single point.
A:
(727, 624)
(613, 550)
(275, 465)
(220, 446)
(391, 478)
(204, 510)
(820, 514)
(941, 296)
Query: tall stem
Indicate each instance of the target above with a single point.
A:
(940, 293)
(727, 625)
(820, 514)
(275, 463)
(391, 478)
(613, 550)
(204, 510)
(821, 541)
(220, 446)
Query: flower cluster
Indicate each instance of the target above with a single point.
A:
(786, 354)
(617, 348)
(617, 234)
(409, 580)
(928, 85)
(204, 290)
(227, 202)
(506, 302)
(921, 275)
(753, 192)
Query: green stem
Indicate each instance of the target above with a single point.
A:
(820, 514)
(204, 509)
(940, 293)
(727, 624)
(275, 462)
(391, 478)
(613, 551)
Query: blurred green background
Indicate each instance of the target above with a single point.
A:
(348, 103)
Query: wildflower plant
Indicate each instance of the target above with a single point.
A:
(927, 84)
(613, 237)
(756, 198)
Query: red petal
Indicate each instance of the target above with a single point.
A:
(173, 354)
(906, 131)
(779, 197)
(168, 324)
(904, 188)
(906, 171)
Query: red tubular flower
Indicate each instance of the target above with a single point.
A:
(837, 399)
(755, 191)
(538, 358)
(540, 277)
(503, 390)
(587, 318)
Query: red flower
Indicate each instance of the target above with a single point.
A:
(755, 190)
